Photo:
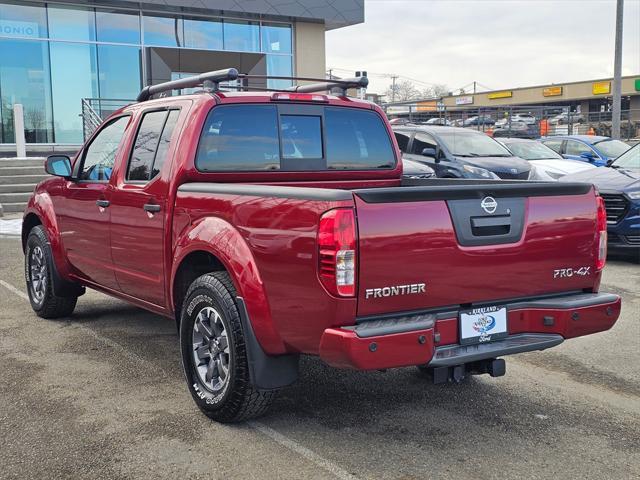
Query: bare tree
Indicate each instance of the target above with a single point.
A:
(403, 91)
(437, 90)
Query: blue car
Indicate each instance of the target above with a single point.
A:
(587, 148)
(619, 185)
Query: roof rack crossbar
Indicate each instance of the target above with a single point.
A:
(341, 85)
(210, 80)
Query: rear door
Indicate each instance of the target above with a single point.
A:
(460, 243)
(139, 207)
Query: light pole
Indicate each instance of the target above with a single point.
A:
(617, 72)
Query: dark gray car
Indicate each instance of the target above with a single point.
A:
(460, 153)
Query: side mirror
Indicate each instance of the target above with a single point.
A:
(610, 162)
(429, 152)
(58, 165)
(587, 156)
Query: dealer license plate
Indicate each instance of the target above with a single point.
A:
(480, 325)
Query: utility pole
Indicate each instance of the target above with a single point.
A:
(617, 72)
(393, 88)
(474, 86)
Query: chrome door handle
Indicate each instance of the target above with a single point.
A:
(103, 203)
(151, 208)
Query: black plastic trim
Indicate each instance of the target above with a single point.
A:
(300, 193)
(266, 372)
(423, 189)
(451, 355)
(389, 325)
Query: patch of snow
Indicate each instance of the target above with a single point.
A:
(11, 227)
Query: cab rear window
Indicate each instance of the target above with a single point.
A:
(292, 138)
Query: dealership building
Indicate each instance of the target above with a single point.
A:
(55, 54)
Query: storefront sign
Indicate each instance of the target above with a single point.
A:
(400, 109)
(551, 91)
(505, 94)
(427, 106)
(637, 84)
(16, 28)
(601, 88)
(466, 100)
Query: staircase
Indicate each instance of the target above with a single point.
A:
(18, 178)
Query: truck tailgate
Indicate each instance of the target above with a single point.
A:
(459, 243)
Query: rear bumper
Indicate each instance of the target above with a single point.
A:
(431, 337)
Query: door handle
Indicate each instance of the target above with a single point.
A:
(151, 208)
(103, 203)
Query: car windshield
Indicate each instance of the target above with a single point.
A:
(630, 159)
(470, 144)
(532, 151)
(612, 148)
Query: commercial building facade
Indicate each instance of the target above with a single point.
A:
(54, 54)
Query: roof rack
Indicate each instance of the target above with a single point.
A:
(210, 82)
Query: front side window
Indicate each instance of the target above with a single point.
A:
(577, 148)
(554, 145)
(471, 144)
(101, 153)
(422, 141)
(403, 140)
(532, 151)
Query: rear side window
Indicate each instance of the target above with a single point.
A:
(151, 144)
(403, 140)
(285, 137)
(100, 155)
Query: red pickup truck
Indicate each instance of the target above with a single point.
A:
(272, 224)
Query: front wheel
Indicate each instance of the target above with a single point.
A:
(40, 279)
(214, 355)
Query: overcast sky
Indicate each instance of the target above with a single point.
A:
(500, 44)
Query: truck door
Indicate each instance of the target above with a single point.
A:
(83, 211)
(139, 207)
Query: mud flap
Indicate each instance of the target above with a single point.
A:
(266, 372)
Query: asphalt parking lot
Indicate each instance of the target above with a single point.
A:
(103, 396)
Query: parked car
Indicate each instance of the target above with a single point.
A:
(438, 121)
(460, 153)
(619, 186)
(564, 118)
(587, 148)
(549, 164)
(413, 170)
(517, 129)
(527, 119)
(269, 225)
(478, 120)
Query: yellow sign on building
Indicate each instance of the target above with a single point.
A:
(505, 94)
(601, 88)
(551, 91)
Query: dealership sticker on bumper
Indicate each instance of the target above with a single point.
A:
(481, 325)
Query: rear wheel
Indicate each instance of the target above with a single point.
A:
(40, 279)
(214, 355)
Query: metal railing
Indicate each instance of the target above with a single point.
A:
(527, 121)
(95, 110)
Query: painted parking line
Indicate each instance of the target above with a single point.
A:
(274, 435)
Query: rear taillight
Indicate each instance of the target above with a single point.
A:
(337, 258)
(601, 234)
(299, 97)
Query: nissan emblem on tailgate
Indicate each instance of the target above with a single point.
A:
(489, 204)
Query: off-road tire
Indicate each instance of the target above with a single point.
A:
(238, 400)
(46, 303)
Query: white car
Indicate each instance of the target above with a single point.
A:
(528, 119)
(549, 165)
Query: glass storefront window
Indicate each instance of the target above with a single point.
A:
(118, 27)
(276, 38)
(72, 23)
(279, 65)
(203, 34)
(119, 72)
(24, 20)
(70, 86)
(24, 79)
(163, 31)
(241, 36)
